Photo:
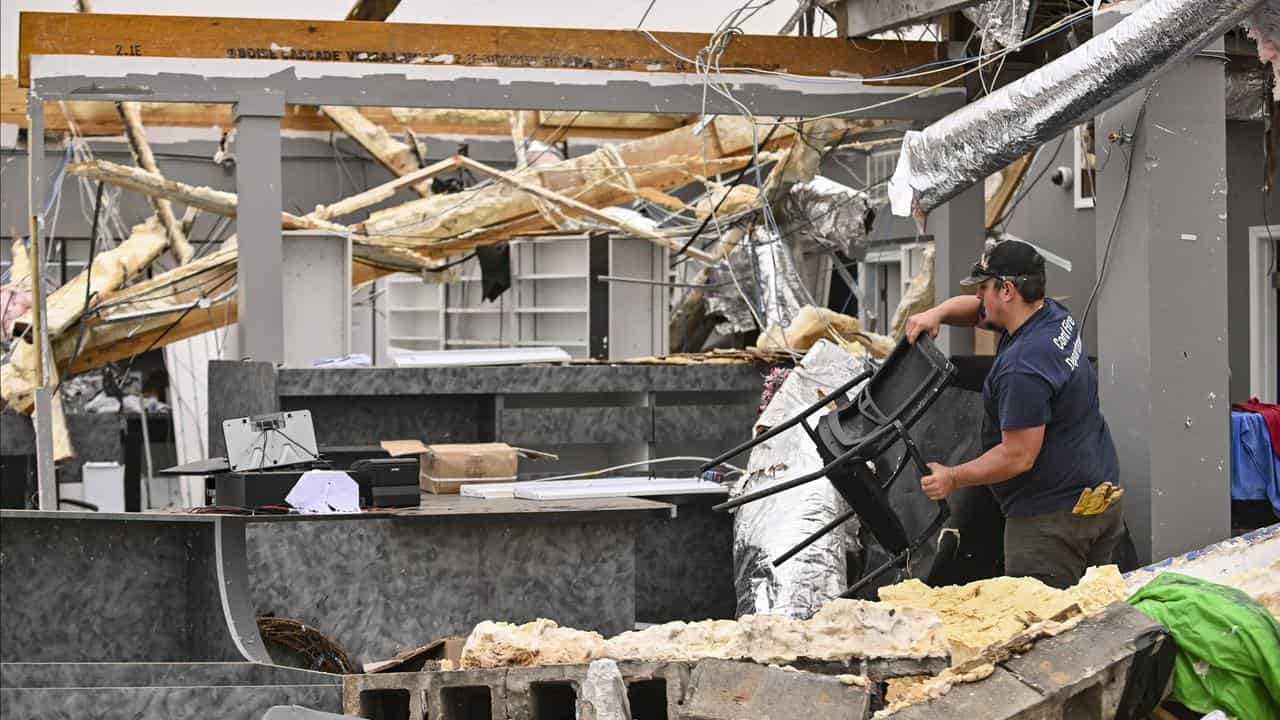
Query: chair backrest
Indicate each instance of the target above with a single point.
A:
(904, 387)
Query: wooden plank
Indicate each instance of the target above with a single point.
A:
(95, 118)
(865, 17)
(111, 270)
(470, 45)
(600, 179)
(385, 191)
(1010, 179)
(217, 202)
(583, 208)
(144, 159)
(395, 156)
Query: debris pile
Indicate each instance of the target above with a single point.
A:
(843, 630)
(988, 621)
(984, 613)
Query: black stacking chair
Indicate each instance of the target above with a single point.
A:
(858, 430)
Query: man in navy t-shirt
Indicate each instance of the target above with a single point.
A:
(1044, 437)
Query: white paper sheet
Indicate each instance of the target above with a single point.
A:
(324, 491)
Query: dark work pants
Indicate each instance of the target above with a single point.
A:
(1056, 548)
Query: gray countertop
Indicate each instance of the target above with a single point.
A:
(431, 507)
(520, 379)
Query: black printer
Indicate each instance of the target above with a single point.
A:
(387, 482)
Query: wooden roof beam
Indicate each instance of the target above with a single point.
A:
(254, 39)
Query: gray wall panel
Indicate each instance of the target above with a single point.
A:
(379, 587)
(106, 591)
(1245, 209)
(150, 703)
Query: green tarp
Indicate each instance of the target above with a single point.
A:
(1228, 646)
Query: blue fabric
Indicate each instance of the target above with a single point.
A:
(1042, 376)
(1255, 469)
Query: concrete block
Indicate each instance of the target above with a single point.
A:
(385, 694)
(656, 689)
(543, 690)
(728, 690)
(1081, 673)
(1000, 696)
(467, 694)
(1085, 669)
(876, 669)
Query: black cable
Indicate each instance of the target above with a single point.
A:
(1115, 223)
(295, 442)
(645, 16)
(134, 299)
(556, 137)
(88, 283)
(1271, 267)
(452, 263)
(129, 368)
(1022, 194)
(742, 174)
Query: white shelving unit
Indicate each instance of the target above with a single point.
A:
(550, 302)
(414, 314)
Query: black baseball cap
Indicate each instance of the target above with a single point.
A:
(1006, 259)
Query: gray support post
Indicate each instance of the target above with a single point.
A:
(260, 296)
(958, 237)
(1161, 313)
(46, 476)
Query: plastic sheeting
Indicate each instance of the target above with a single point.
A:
(1002, 21)
(963, 148)
(766, 528)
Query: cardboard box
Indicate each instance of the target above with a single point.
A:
(444, 469)
(428, 657)
(984, 341)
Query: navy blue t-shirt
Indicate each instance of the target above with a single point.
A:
(1042, 376)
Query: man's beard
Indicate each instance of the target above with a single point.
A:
(985, 320)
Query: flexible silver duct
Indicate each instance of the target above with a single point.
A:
(1246, 93)
(814, 216)
(767, 528)
(979, 139)
(823, 213)
(761, 271)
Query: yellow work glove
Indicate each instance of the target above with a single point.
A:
(1096, 500)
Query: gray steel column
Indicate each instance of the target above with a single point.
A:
(958, 237)
(258, 183)
(1161, 313)
(46, 476)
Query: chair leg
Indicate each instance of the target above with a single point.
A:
(840, 519)
(797, 418)
(944, 512)
(794, 482)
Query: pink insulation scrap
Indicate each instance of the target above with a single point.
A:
(776, 377)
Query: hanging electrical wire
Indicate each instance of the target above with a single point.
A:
(1124, 194)
(706, 65)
